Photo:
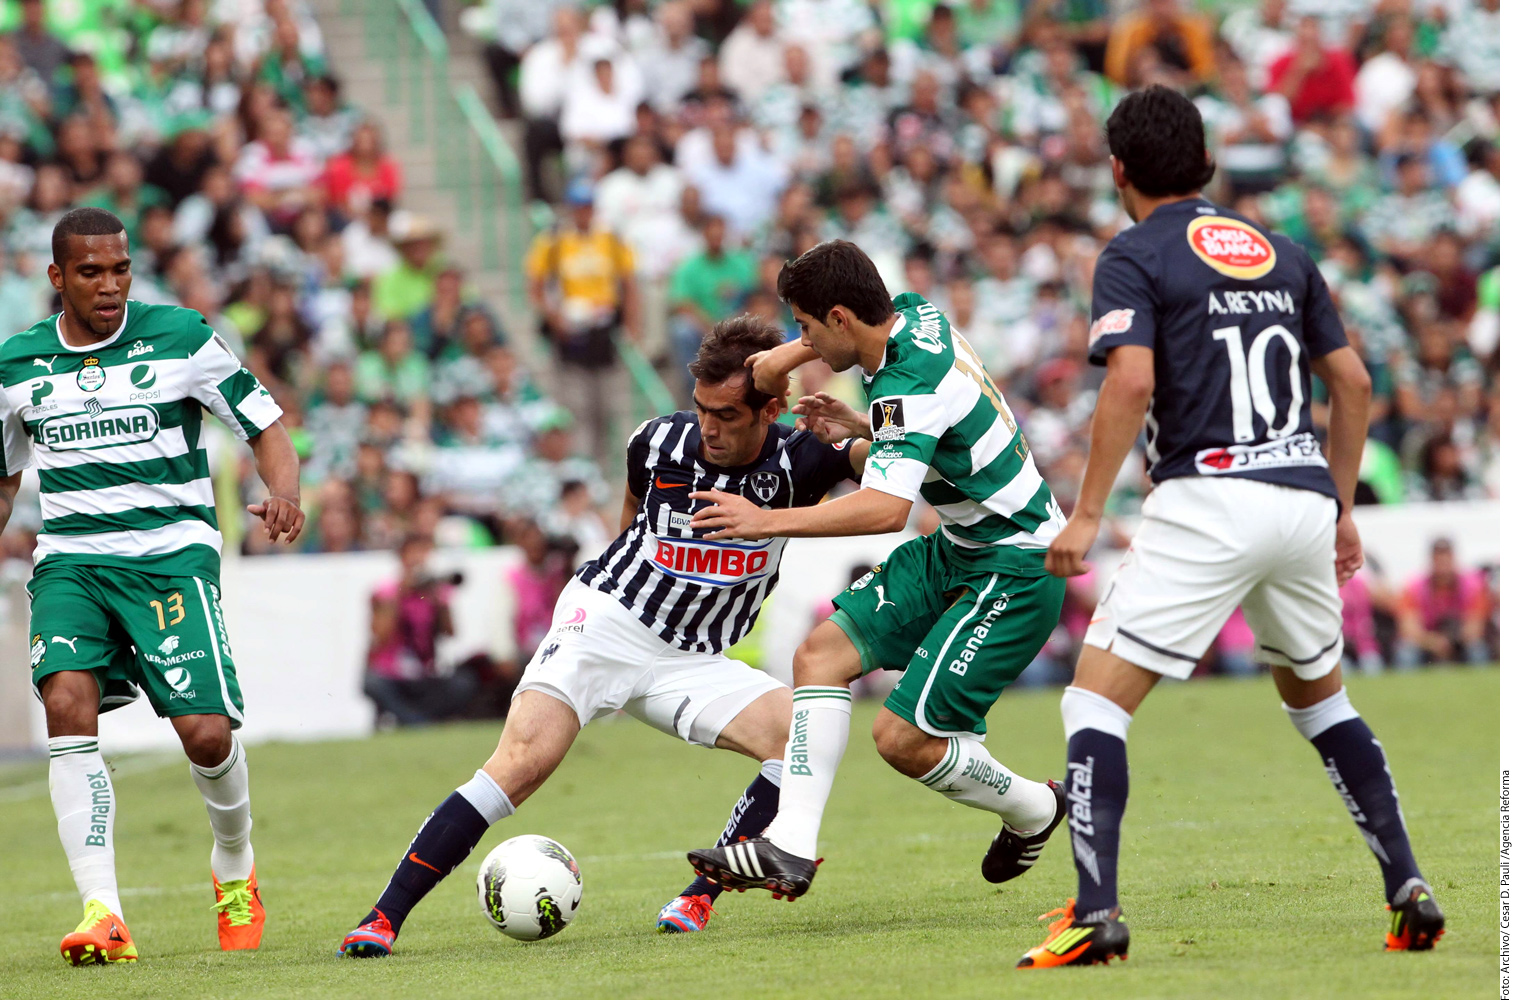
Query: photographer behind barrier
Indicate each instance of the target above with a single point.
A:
(410, 615)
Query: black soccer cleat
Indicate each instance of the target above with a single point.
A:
(1416, 924)
(755, 864)
(1012, 854)
(1071, 941)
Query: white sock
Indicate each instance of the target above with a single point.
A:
(968, 774)
(85, 803)
(486, 795)
(1322, 715)
(224, 788)
(817, 740)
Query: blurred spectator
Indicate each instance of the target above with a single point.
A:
(707, 286)
(408, 287)
(546, 68)
(1180, 39)
(1314, 79)
(535, 583)
(41, 52)
(740, 181)
(353, 180)
(582, 283)
(409, 616)
(752, 56)
(1443, 615)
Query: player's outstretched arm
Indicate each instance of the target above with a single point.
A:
(1117, 419)
(1351, 393)
(279, 467)
(8, 487)
(865, 512)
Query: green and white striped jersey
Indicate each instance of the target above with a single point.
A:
(942, 431)
(114, 431)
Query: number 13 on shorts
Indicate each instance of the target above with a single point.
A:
(174, 608)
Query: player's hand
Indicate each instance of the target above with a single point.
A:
(830, 419)
(1348, 550)
(770, 375)
(280, 516)
(1065, 556)
(733, 516)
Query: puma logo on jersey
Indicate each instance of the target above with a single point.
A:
(881, 600)
(48, 364)
(67, 642)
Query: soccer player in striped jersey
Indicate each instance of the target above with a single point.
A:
(961, 611)
(643, 627)
(106, 399)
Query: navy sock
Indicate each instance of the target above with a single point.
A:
(1097, 788)
(444, 841)
(1356, 765)
(749, 817)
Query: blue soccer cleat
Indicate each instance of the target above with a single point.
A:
(685, 915)
(374, 939)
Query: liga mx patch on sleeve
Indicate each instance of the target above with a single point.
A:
(887, 418)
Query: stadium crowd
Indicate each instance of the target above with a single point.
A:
(691, 147)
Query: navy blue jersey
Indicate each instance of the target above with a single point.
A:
(695, 594)
(1233, 314)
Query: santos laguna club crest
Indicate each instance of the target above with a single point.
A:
(765, 485)
(91, 377)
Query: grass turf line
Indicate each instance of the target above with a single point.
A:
(1241, 873)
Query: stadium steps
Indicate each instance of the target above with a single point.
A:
(364, 79)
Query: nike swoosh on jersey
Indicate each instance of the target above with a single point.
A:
(658, 482)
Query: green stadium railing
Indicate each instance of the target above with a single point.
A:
(480, 167)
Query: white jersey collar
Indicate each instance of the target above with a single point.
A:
(125, 319)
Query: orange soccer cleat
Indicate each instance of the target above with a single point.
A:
(239, 913)
(1078, 942)
(100, 938)
(1417, 923)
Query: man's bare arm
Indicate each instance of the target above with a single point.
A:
(1117, 420)
(1351, 391)
(279, 467)
(865, 512)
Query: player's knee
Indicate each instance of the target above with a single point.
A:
(903, 747)
(817, 661)
(206, 738)
(71, 701)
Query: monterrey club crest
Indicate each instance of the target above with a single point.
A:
(91, 377)
(765, 485)
(1232, 247)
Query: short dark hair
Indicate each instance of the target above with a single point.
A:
(1159, 138)
(836, 273)
(726, 348)
(83, 222)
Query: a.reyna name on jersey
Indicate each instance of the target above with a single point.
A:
(719, 563)
(1246, 303)
(111, 427)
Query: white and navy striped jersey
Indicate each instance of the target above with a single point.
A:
(699, 595)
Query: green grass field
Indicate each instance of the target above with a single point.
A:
(1242, 875)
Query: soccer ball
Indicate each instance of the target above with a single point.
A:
(530, 887)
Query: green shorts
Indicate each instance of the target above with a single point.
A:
(961, 625)
(162, 634)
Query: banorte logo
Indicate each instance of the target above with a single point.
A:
(1232, 247)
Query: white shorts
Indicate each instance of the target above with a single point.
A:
(600, 658)
(1204, 546)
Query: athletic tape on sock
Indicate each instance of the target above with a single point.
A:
(485, 795)
(1322, 715)
(1083, 709)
